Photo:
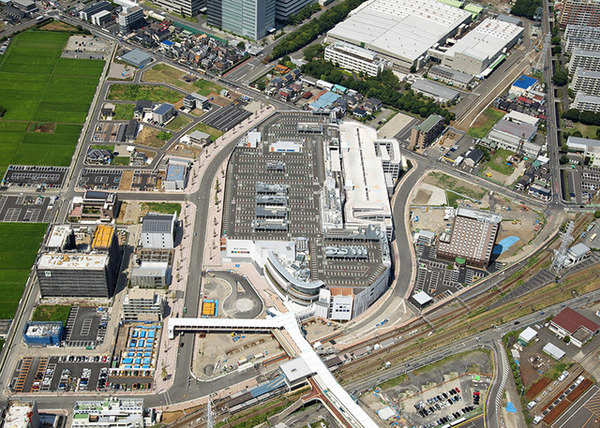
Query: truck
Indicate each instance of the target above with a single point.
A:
(593, 237)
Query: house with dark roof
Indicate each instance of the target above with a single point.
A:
(373, 104)
(569, 323)
(98, 156)
(473, 157)
(359, 112)
(158, 231)
(131, 130)
(142, 107)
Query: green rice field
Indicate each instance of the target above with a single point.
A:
(19, 243)
(37, 85)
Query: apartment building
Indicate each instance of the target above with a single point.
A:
(585, 102)
(580, 12)
(352, 57)
(588, 60)
(586, 81)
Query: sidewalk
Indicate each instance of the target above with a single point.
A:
(167, 356)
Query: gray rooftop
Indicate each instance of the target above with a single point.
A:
(583, 52)
(158, 223)
(136, 56)
(514, 128)
(457, 76)
(579, 250)
(435, 89)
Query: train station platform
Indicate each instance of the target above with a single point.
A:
(355, 416)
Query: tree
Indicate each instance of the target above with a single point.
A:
(261, 85)
(577, 134)
(597, 214)
(164, 373)
(564, 159)
(560, 78)
(556, 50)
(526, 8)
(555, 40)
(313, 51)
(241, 45)
(571, 114)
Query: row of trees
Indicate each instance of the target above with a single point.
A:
(385, 87)
(303, 14)
(313, 29)
(585, 117)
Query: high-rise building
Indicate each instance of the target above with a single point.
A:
(247, 18)
(182, 7)
(130, 18)
(286, 8)
(580, 12)
(589, 60)
(88, 272)
(586, 81)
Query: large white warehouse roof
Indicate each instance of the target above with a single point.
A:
(403, 29)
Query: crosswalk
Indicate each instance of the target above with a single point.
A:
(504, 368)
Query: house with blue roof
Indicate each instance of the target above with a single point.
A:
(522, 85)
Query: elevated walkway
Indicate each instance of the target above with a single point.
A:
(352, 412)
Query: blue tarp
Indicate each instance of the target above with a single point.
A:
(510, 407)
(127, 360)
(505, 244)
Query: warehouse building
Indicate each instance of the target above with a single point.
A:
(158, 231)
(580, 12)
(143, 305)
(515, 137)
(455, 78)
(89, 270)
(472, 237)
(570, 323)
(86, 13)
(401, 31)
(440, 93)
(137, 58)
(427, 131)
(586, 81)
(43, 333)
(589, 60)
(483, 47)
(585, 102)
(354, 58)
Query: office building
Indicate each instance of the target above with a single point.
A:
(143, 305)
(21, 414)
(200, 138)
(248, 18)
(86, 13)
(151, 275)
(472, 237)
(109, 413)
(427, 131)
(195, 100)
(164, 112)
(516, 137)
(26, 6)
(355, 58)
(130, 18)
(186, 8)
(483, 46)
(586, 81)
(585, 102)
(588, 60)
(88, 270)
(94, 205)
(102, 18)
(580, 12)
(158, 231)
(285, 8)
(401, 31)
(176, 176)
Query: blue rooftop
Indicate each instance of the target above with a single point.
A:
(167, 43)
(325, 100)
(525, 82)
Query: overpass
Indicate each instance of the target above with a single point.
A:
(353, 414)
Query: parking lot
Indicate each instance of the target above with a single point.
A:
(60, 374)
(440, 278)
(51, 177)
(227, 117)
(27, 208)
(85, 327)
(144, 181)
(99, 179)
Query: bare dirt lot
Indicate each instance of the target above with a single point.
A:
(149, 137)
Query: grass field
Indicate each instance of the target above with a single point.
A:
(485, 121)
(161, 207)
(52, 313)
(166, 74)
(37, 85)
(179, 122)
(120, 160)
(19, 243)
(454, 186)
(123, 111)
(206, 87)
(498, 162)
(213, 132)
(124, 92)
